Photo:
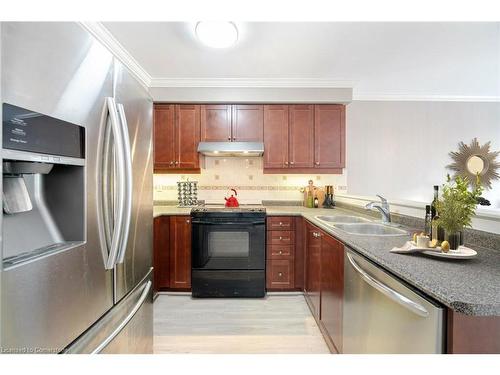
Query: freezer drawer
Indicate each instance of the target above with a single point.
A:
(383, 315)
(126, 329)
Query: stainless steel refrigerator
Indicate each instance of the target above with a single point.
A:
(76, 227)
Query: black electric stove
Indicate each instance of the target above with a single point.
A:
(228, 251)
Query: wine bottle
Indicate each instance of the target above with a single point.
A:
(435, 202)
(428, 221)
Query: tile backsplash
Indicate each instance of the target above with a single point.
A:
(247, 177)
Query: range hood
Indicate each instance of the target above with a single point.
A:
(245, 149)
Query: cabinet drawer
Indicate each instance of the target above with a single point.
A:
(280, 252)
(280, 223)
(280, 274)
(279, 237)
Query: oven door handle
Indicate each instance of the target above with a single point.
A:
(203, 222)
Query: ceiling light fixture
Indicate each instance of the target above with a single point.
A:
(217, 34)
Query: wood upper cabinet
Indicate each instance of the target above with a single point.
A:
(235, 123)
(216, 123)
(164, 136)
(275, 136)
(176, 137)
(161, 252)
(329, 136)
(187, 130)
(247, 123)
(180, 252)
(332, 288)
(312, 287)
(301, 136)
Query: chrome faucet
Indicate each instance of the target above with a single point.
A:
(383, 208)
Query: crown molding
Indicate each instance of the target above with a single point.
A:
(359, 96)
(102, 34)
(251, 82)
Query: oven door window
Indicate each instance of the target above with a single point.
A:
(228, 244)
(223, 247)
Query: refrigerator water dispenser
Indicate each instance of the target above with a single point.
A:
(43, 180)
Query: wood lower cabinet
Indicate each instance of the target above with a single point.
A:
(332, 289)
(280, 253)
(312, 285)
(472, 334)
(176, 138)
(180, 252)
(161, 253)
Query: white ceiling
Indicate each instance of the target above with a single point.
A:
(377, 59)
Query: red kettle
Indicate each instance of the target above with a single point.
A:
(232, 201)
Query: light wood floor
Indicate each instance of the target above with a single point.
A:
(276, 324)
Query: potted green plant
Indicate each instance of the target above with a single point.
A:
(457, 207)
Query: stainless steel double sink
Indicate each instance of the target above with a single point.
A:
(360, 226)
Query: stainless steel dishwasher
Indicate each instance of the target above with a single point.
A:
(383, 315)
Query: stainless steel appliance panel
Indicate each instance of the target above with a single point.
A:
(57, 69)
(382, 315)
(138, 110)
(127, 328)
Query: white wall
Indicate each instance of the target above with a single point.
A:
(401, 149)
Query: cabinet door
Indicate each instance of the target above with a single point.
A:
(332, 288)
(248, 123)
(164, 136)
(313, 268)
(161, 250)
(180, 252)
(275, 136)
(187, 121)
(301, 136)
(215, 123)
(329, 136)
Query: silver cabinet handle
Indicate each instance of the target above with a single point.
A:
(281, 224)
(228, 138)
(388, 292)
(280, 274)
(292, 163)
(188, 221)
(111, 248)
(171, 163)
(317, 163)
(280, 252)
(125, 321)
(281, 238)
(128, 184)
(286, 163)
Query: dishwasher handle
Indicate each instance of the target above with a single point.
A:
(389, 292)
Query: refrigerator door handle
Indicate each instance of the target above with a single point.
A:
(389, 292)
(128, 184)
(110, 247)
(125, 321)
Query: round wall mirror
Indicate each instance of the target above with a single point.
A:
(473, 160)
(475, 165)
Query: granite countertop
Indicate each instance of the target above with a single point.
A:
(470, 287)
